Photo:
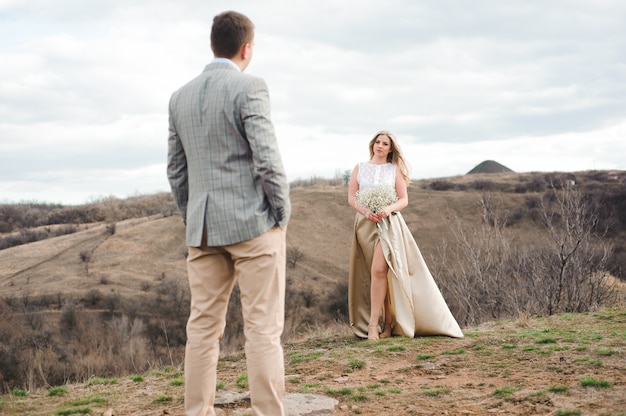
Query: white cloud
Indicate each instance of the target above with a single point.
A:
(532, 85)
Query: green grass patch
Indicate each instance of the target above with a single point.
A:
(592, 382)
(605, 351)
(558, 348)
(242, 381)
(558, 389)
(546, 341)
(594, 362)
(163, 399)
(356, 364)
(85, 402)
(436, 391)
(18, 392)
(505, 391)
(305, 388)
(100, 380)
(177, 382)
(344, 391)
(568, 412)
(57, 391)
(358, 397)
(509, 346)
(425, 356)
(394, 390)
(396, 348)
(220, 385)
(454, 352)
(298, 357)
(137, 378)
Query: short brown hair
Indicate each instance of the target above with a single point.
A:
(230, 31)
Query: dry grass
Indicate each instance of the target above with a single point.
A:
(146, 249)
(548, 365)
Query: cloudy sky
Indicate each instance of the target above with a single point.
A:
(535, 85)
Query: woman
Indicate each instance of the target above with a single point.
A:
(388, 276)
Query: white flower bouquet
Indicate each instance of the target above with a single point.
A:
(375, 199)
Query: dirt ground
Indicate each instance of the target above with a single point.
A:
(571, 364)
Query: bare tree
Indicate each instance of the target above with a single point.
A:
(572, 264)
(480, 264)
(294, 255)
(486, 274)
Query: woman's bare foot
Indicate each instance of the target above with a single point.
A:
(386, 330)
(372, 333)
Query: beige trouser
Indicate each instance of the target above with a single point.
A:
(259, 267)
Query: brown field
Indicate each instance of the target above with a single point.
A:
(143, 249)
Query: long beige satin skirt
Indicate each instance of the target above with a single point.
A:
(417, 305)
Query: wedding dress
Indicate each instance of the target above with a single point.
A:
(417, 305)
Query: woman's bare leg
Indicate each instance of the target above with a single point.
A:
(388, 326)
(378, 289)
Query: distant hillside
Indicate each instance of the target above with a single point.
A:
(489, 166)
(142, 251)
(79, 297)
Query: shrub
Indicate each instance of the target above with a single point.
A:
(482, 185)
(294, 255)
(337, 305)
(93, 297)
(441, 185)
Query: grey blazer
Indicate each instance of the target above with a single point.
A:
(224, 167)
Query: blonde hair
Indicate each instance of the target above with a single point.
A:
(395, 154)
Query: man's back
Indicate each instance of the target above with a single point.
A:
(235, 178)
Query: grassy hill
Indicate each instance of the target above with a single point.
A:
(71, 303)
(142, 250)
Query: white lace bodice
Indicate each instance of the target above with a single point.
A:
(371, 175)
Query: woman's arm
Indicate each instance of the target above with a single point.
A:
(403, 196)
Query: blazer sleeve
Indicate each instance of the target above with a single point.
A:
(266, 157)
(177, 172)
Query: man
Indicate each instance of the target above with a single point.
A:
(228, 180)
